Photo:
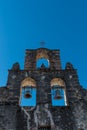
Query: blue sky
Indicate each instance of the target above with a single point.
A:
(61, 24)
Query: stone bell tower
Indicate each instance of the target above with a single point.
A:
(43, 96)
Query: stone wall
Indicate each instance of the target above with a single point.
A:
(8, 120)
(73, 116)
(32, 56)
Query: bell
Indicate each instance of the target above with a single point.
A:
(57, 95)
(27, 94)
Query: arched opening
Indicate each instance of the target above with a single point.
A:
(28, 92)
(58, 92)
(42, 60)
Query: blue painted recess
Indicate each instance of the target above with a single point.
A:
(28, 101)
(58, 102)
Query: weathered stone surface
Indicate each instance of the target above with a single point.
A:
(70, 117)
(16, 66)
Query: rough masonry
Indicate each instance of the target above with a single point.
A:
(43, 116)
